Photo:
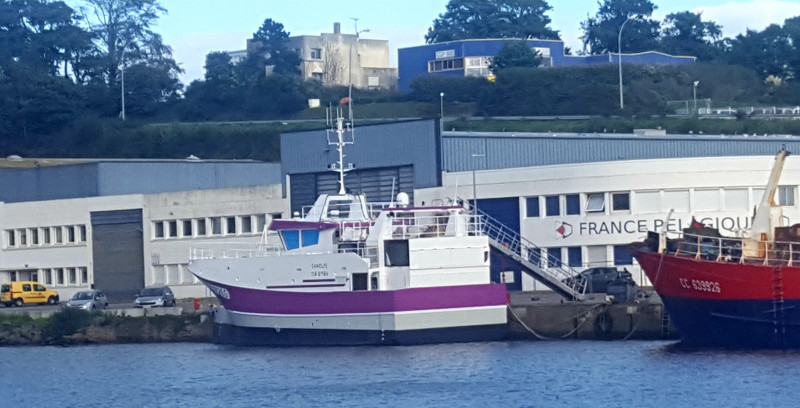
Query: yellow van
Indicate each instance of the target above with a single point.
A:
(21, 293)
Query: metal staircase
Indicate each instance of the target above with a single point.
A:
(545, 269)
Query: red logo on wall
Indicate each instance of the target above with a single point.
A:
(563, 229)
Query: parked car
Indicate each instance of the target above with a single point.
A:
(155, 296)
(597, 280)
(88, 300)
(25, 292)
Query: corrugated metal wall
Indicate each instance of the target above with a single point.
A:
(393, 145)
(118, 255)
(131, 177)
(504, 150)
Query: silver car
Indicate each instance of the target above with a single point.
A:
(88, 300)
(155, 296)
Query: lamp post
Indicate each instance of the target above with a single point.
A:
(694, 96)
(441, 112)
(474, 189)
(350, 69)
(122, 81)
(619, 61)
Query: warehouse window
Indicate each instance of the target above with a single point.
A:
(532, 203)
(595, 203)
(785, 196)
(247, 224)
(620, 201)
(230, 223)
(187, 228)
(201, 227)
(159, 229)
(575, 257)
(11, 239)
(551, 206)
(573, 204)
(216, 226)
(622, 256)
(172, 228)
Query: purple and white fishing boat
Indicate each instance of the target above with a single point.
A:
(350, 273)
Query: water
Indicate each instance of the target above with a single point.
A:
(503, 374)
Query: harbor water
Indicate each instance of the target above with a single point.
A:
(501, 374)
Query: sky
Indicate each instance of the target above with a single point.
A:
(193, 28)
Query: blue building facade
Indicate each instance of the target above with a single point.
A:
(473, 57)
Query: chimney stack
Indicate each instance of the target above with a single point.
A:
(337, 28)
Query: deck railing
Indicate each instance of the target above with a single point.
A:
(734, 249)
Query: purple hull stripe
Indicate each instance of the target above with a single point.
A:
(289, 303)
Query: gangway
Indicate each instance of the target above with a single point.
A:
(548, 270)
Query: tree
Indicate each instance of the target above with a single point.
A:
(767, 52)
(273, 48)
(684, 33)
(334, 65)
(601, 33)
(515, 54)
(468, 19)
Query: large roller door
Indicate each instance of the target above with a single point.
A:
(118, 255)
(375, 183)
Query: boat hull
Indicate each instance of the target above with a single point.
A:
(402, 317)
(725, 304)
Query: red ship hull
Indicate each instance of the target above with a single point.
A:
(727, 304)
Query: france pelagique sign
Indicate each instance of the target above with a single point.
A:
(593, 228)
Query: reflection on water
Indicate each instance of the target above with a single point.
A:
(513, 374)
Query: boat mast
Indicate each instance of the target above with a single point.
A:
(340, 141)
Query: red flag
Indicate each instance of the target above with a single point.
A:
(344, 100)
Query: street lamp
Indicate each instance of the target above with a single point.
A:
(441, 112)
(350, 69)
(619, 61)
(474, 189)
(122, 80)
(694, 95)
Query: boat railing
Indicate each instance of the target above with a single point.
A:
(233, 250)
(434, 223)
(734, 249)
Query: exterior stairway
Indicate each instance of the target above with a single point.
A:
(545, 269)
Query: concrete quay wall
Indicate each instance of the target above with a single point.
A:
(545, 316)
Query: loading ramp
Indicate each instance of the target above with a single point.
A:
(546, 269)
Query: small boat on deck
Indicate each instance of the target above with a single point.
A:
(348, 272)
(720, 291)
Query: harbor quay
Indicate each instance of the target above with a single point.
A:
(544, 315)
(532, 316)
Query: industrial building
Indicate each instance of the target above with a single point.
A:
(473, 58)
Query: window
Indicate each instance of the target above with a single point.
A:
(595, 203)
(396, 253)
(73, 279)
(84, 275)
(706, 200)
(575, 257)
(187, 228)
(23, 238)
(48, 277)
(648, 201)
(620, 201)
(445, 65)
(173, 228)
(533, 207)
(11, 238)
(317, 76)
(216, 226)
(159, 229)
(573, 204)
(59, 235)
(247, 225)
(35, 236)
(736, 199)
(70, 234)
(60, 276)
(785, 195)
(230, 223)
(26, 287)
(622, 256)
(201, 227)
(551, 206)
(554, 258)
(46, 235)
(677, 200)
(82, 233)
(316, 53)
(261, 221)
(310, 237)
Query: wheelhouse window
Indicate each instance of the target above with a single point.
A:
(595, 203)
(396, 253)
